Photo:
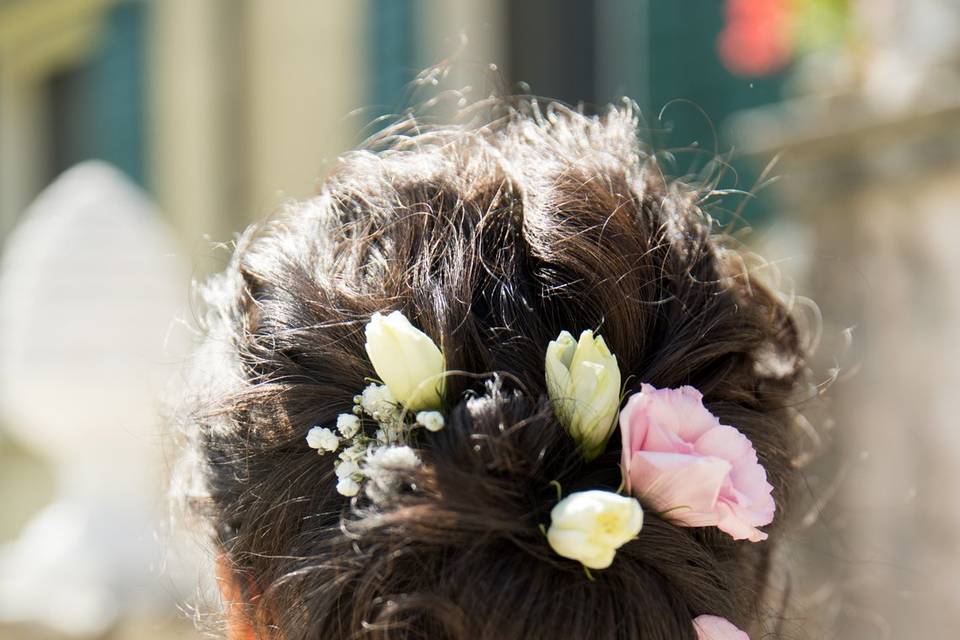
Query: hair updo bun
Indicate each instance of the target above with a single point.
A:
(491, 239)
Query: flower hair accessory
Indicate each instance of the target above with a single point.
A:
(678, 457)
(412, 369)
(589, 526)
(583, 381)
(407, 360)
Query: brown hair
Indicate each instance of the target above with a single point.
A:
(492, 239)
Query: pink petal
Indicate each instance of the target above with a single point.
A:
(689, 484)
(717, 628)
(658, 411)
(691, 417)
(650, 428)
(737, 524)
(724, 442)
(751, 479)
(633, 428)
(677, 456)
(749, 492)
(649, 422)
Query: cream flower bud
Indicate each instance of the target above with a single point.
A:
(583, 381)
(589, 526)
(322, 439)
(408, 362)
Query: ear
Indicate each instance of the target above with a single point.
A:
(234, 602)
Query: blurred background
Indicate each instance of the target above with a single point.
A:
(137, 136)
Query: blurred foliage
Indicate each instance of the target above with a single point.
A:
(821, 24)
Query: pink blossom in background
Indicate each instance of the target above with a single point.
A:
(677, 457)
(756, 40)
(717, 628)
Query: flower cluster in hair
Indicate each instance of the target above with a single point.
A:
(676, 455)
(411, 366)
(375, 458)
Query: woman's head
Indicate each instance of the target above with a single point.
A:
(491, 239)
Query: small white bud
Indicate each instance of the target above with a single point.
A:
(347, 469)
(322, 439)
(430, 420)
(348, 425)
(347, 487)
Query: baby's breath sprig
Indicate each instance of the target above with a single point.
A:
(374, 460)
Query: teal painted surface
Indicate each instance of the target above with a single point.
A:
(394, 55)
(689, 86)
(553, 49)
(97, 108)
(662, 54)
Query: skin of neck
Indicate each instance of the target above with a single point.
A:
(234, 602)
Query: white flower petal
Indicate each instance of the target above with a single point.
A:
(322, 439)
(385, 469)
(347, 468)
(559, 356)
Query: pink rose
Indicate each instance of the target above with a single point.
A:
(717, 628)
(679, 458)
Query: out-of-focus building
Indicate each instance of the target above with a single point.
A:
(222, 108)
(869, 144)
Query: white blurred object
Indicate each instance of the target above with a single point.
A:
(912, 42)
(900, 57)
(90, 285)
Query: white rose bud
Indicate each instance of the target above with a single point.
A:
(408, 362)
(583, 381)
(322, 439)
(589, 526)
